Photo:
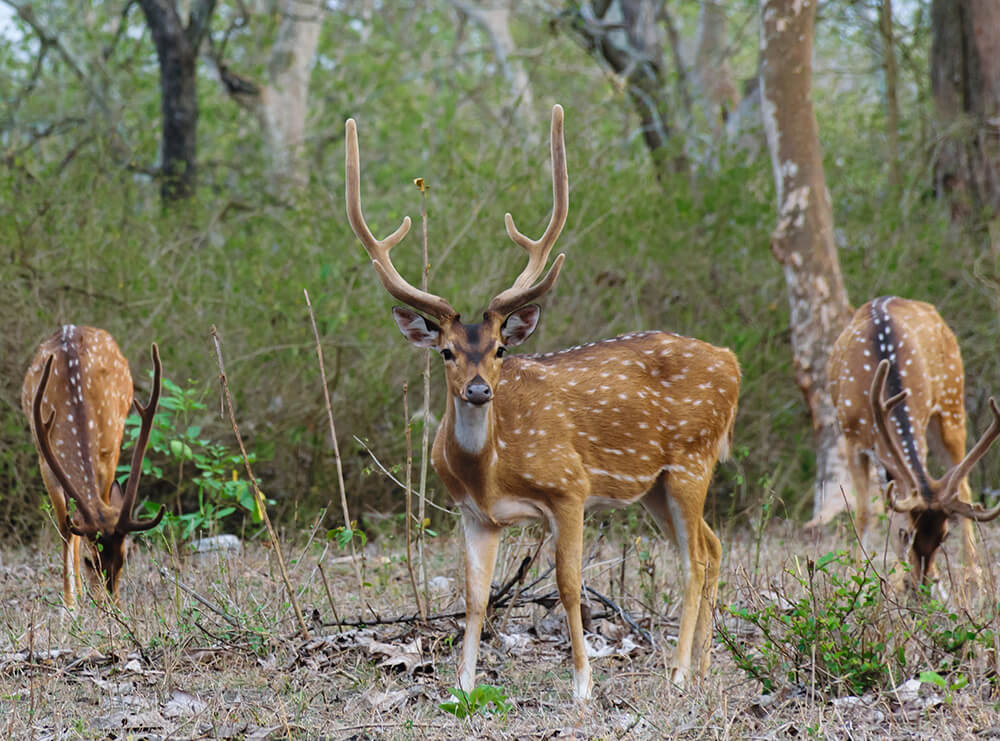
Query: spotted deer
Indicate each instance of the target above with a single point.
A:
(897, 382)
(76, 395)
(644, 416)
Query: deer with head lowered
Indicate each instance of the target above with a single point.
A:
(76, 395)
(641, 417)
(897, 383)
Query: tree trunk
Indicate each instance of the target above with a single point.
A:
(281, 105)
(891, 83)
(493, 16)
(623, 35)
(803, 240)
(965, 84)
(177, 47)
(714, 79)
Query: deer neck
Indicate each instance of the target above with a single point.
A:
(471, 426)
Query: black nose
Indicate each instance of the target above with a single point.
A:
(478, 391)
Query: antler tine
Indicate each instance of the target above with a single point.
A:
(146, 413)
(949, 482)
(973, 511)
(912, 502)
(880, 412)
(43, 429)
(522, 292)
(378, 250)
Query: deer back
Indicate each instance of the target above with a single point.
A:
(924, 361)
(90, 392)
(610, 415)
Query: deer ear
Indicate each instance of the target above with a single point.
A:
(519, 325)
(419, 331)
(116, 494)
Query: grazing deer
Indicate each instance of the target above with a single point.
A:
(896, 376)
(644, 416)
(76, 395)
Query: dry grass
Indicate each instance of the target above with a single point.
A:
(165, 666)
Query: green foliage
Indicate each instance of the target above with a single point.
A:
(846, 633)
(947, 686)
(202, 466)
(485, 699)
(344, 535)
(831, 634)
(84, 238)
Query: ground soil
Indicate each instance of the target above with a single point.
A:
(209, 647)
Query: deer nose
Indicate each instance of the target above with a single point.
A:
(478, 391)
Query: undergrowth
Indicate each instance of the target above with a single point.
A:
(835, 626)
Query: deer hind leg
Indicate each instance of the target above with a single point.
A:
(569, 562)
(677, 504)
(481, 541)
(951, 436)
(860, 469)
(702, 644)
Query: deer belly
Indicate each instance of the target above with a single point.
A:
(511, 511)
(603, 502)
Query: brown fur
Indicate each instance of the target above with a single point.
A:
(926, 362)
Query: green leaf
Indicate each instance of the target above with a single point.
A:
(932, 677)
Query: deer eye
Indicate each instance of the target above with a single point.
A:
(500, 351)
(447, 354)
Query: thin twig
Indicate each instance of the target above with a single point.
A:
(258, 494)
(425, 434)
(409, 504)
(202, 600)
(393, 479)
(521, 573)
(622, 614)
(329, 594)
(336, 452)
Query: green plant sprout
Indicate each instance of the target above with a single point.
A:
(207, 466)
(484, 699)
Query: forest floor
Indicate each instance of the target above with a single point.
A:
(209, 647)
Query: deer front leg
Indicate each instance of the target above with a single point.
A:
(481, 540)
(569, 562)
(71, 568)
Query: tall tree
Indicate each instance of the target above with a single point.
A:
(711, 73)
(624, 35)
(177, 44)
(803, 240)
(493, 16)
(965, 84)
(891, 86)
(281, 105)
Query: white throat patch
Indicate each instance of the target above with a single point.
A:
(472, 423)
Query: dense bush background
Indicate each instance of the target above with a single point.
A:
(84, 238)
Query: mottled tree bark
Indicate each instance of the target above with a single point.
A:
(623, 34)
(711, 72)
(965, 84)
(803, 240)
(891, 83)
(281, 105)
(493, 16)
(177, 47)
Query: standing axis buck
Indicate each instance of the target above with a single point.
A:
(903, 350)
(641, 417)
(76, 395)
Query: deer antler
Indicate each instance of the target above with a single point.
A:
(522, 291)
(378, 250)
(146, 413)
(42, 431)
(948, 487)
(881, 409)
